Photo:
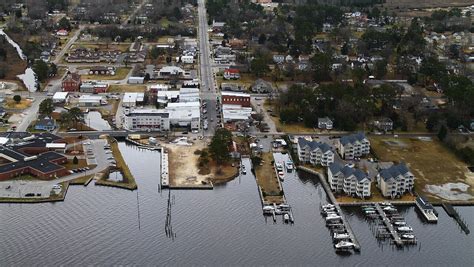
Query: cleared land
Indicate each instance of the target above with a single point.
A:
(126, 88)
(433, 165)
(268, 181)
(12, 104)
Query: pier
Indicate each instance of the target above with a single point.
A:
(165, 181)
(396, 238)
(336, 205)
(454, 214)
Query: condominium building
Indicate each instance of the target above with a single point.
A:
(147, 120)
(351, 181)
(395, 181)
(354, 145)
(315, 153)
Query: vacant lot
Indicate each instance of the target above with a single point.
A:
(433, 165)
(127, 88)
(267, 180)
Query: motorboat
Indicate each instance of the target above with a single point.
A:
(369, 212)
(268, 209)
(342, 236)
(399, 223)
(289, 166)
(279, 167)
(408, 236)
(344, 245)
(405, 229)
(328, 206)
(333, 217)
(286, 218)
(281, 175)
(284, 207)
(243, 170)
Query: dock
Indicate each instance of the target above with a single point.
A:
(454, 214)
(329, 193)
(165, 181)
(396, 238)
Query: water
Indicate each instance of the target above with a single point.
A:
(107, 226)
(95, 121)
(29, 77)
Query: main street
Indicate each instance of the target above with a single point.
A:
(208, 87)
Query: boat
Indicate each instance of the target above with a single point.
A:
(279, 167)
(342, 236)
(244, 171)
(369, 212)
(428, 211)
(281, 175)
(344, 245)
(268, 209)
(286, 218)
(405, 229)
(408, 236)
(333, 217)
(328, 206)
(284, 207)
(399, 223)
(289, 166)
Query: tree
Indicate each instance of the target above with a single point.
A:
(41, 69)
(442, 133)
(321, 66)
(155, 52)
(262, 39)
(65, 119)
(219, 147)
(64, 23)
(17, 98)
(75, 160)
(46, 107)
(381, 68)
(259, 66)
(76, 115)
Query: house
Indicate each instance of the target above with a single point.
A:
(232, 87)
(62, 32)
(60, 97)
(71, 82)
(136, 80)
(187, 59)
(278, 59)
(237, 44)
(170, 71)
(395, 181)
(351, 181)
(315, 153)
(354, 145)
(325, 123)
(383, 124)
(235, 98)
(261, 86)
(131, 100)
(231, 74)
(45, 124)
(94, 87)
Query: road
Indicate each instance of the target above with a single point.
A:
(208, 87)
(131, 18)
(66, 47)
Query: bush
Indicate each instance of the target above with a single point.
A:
(17, 98)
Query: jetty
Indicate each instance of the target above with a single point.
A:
(165, 181)
(332, 198)
(454, 214)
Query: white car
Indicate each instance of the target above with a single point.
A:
(57, 186)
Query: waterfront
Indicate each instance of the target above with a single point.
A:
(107, 226)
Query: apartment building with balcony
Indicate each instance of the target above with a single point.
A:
(315, 153)
(395, 181)
(351, 181)
(354, 145)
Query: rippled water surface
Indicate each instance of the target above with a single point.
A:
(108, 226)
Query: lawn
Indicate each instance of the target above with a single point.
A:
(115, 88)
(123, 47)
(11, 104)
(429, 161)
(286, 127)
(267, 180)
(120, 74)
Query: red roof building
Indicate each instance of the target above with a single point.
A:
(72, 82)
(231, 74)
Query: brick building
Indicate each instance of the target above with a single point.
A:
(71, 82)
(235, 98)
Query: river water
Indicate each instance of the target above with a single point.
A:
(109, 226)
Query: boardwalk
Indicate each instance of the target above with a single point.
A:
(334, 202)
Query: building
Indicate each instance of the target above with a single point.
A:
(94, 87)
(235, 98)
(235, 113)
(354, 145)
(261, 86)
(24, 154)
(101, 70)
(71, 82)
(45, 124)
(232, 87)
(168, 71)
(62, 32)
(187, 59)
(383, 124)
(131, 100)
(189, 95)
(185, 114)
(136, 80)
(325, 123)
(60, 97)
(91, 101)
(315, 153)
(351, 181)
(147, 120)
(231, 74)
(164, 97)
(393, 182)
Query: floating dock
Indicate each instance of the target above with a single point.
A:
(336, 205)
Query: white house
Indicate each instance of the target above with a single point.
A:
(60, 97)
(315, 153)
(325, 123)
(187, 59)
(354, 145)
(351, 181)
(395, 181)
(136, 80)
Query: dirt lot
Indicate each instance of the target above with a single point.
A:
(267, 180)
(433, 165)
(127, 88)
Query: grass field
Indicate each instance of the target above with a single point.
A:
(123, 47)
(429, 161)
(267, 180)
(115, 88)
(120, 74)
(11, 104)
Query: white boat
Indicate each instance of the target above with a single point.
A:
(408, 236)
(279, 167)
(369, 212)
(268, 209)
(344, 245)
(286, 218)
(289, 166)
(244, 171)
(281, 175)
(333, 217)
(399, 223)
(337, 236)
(328, 206)
(284, 207)
(405, 229)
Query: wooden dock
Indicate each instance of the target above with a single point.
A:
(336, 205)
(454, 214)
(396, 238)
